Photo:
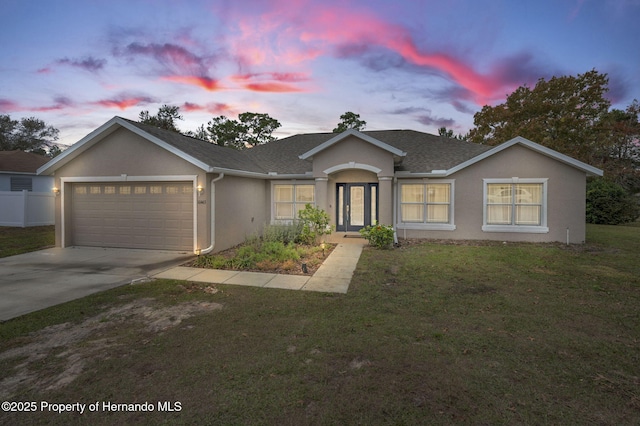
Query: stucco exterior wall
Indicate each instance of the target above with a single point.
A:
(565, 199)
(353, 150)
(356, 157)
(239, 210)
(125, 153)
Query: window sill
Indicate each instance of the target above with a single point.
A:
(512, 228)
(427, 226)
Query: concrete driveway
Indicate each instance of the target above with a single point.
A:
(34, 281)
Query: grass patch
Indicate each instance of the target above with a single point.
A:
(429, 333)
(23, 240)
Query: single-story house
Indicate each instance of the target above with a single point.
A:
(127, 184)
(18, 172)
(25, 197)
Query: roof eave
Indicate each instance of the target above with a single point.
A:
(102, 132)
(589, 170)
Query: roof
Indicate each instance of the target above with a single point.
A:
(207, 156)
(415, 153)
(21, 162)
(419, 152)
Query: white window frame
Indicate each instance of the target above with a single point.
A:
(531, 229)
(427, 226)
(295, 185)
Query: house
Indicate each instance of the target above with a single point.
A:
(127, 184)
(25, 197)
(18, 172)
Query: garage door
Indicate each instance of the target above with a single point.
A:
(145, 215)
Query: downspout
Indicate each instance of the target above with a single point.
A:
(213, 215)
(394, 214)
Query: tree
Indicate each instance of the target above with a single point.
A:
(622, 160)
(560, 113)
(448, 133)
(224, 131)
(200, 133)
(258, 128)
(609, 204)
(350, 120)
(249, 130)
(28, 134)
(165, 118)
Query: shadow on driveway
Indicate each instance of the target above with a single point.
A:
(37, 280)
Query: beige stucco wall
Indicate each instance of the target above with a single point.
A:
(240, 210)
(565, 199)
(123, 152)
(357, 157)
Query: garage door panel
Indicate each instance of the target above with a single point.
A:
(153, 215)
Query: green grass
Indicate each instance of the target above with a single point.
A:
(23, 240)
(486, 333)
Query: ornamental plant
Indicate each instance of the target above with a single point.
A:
(315, 223)
(379, 236)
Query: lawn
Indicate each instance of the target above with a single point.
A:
(23, 240)
(430, 333)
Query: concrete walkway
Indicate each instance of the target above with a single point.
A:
(333, 276)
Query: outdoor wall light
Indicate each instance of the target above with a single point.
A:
(200, 190)
(56, 190)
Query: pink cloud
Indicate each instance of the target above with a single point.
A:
(123, 102)
(215, 108)
(274, 82)
(202, 82)
(294, 31)
(7, 105)
(272, 87)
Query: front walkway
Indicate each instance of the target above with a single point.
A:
(333, 276)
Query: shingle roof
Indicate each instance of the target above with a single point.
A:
(425, 152)
(209, 153)
(21, 162)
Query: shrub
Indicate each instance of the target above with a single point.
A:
(379, 236)
(609, 204)
(285, 233)
(315, 223)
(277, 251)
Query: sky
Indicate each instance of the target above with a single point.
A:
(401, 64)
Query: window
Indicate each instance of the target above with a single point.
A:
(21, 183)
(290, 199)
(515, 205)
(426, 205)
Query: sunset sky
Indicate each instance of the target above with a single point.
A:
(400, 64)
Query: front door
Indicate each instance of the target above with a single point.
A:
(357, 205)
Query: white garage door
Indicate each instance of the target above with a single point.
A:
(146, 215)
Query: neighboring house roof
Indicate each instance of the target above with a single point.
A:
(21, 162)
(415, 153)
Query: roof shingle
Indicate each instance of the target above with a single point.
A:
(21, 162)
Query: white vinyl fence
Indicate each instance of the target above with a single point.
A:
(24, 208)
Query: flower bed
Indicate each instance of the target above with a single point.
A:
(271, 256)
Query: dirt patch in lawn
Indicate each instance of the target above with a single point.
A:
(72, 345)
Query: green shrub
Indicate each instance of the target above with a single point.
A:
(279, 252)
(315, 223)
(379, 236)
(246, 257)
(609, 204)
(285, 233)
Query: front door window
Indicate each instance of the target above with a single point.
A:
(357, 205)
